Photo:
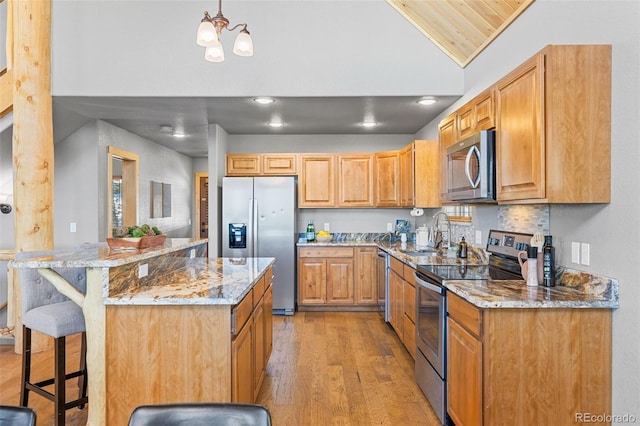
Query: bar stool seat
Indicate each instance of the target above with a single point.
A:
(47, 311)
(17, 416)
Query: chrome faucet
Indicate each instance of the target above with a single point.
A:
(438, 233)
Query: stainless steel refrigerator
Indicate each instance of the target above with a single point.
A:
(259, 220)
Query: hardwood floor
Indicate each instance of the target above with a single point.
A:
(327, 368)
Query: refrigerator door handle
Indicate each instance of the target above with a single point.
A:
(254, 225)
(250, 230)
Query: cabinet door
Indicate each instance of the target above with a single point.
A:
(242, 381)
(465, 121)
(520, 150)
(355, 180)
(407, 189)
(426, 173)
(484, 110)
(340, 281)
(447, 137)
(395, 302)
(366, 276)
(258, 347)
(316, 181)
(387, 172)
(268, 324)
(243, 164)
(464, 375)
(312, 278)
(279, 164)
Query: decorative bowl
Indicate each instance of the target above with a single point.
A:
(323, 239)
(127, 243)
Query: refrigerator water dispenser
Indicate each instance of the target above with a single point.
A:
(237, 235)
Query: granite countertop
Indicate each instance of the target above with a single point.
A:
(99, 255)
(204, 281)
(575, 289)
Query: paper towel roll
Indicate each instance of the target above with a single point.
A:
(416, 212)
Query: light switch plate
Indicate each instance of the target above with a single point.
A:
(192, 254)
(478, 237)
(389, 227)
(575, 253)
(143, 270)
(326, 226)
(585, 249)
(72, 227)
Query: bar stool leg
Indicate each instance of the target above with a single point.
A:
(26, 366)
(82, 380)
(60, 381)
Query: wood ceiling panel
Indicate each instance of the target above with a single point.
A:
(461, 28)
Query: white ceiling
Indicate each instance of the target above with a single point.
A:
(144, 116)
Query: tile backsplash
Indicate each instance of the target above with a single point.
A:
(524, 218)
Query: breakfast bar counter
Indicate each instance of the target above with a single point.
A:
(161, 322)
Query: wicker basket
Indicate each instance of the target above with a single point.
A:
(322, 239)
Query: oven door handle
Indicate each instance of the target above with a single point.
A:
(428, 286)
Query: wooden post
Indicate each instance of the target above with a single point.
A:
(32, 134)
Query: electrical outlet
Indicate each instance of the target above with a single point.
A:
(143, 270)
(479, 237)
(192, 254)
(72, 227)
(585, 248)
(326, 226)
(389, 227)
(575, 253)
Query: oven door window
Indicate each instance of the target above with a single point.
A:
(431, 327)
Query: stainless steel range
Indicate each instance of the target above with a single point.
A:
(431, 304)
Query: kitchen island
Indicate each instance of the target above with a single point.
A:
(167, 324)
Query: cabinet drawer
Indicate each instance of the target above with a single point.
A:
(408, 272)
(409, 335)
(258, 290)
(241, 313)
(325, 252)
(396, 265)
(268, 277)
(466, 314)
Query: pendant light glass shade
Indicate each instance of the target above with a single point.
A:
(243, 45)
(214, 53)
(207, 35)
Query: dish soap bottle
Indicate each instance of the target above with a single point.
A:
(311, 232)
(463, 249)
(548, 263)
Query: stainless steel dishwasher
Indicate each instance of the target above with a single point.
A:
(383, 284)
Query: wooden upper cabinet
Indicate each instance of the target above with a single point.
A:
(426, 162)
(553, 127)
(355, 180)
(407, 176)
(477, 114)
(446, 137)
(387, 172)
(316, 180)
(279, 164)
(243, 164)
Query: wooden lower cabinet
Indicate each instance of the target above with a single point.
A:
(526, 366)
(402, 303)
(337, 277)
(242, 382)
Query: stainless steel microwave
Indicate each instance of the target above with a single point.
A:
(471, 169)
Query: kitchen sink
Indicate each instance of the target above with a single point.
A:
(425, 252)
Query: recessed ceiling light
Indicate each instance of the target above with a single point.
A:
(179, 135)
(427, 101)
(264, 100)
(276, 123)
(369, 124)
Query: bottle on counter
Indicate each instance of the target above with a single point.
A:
(463, 249)
(311, 231)
(532, 266)
(548, 263)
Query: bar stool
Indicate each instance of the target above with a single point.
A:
(47, 311)
(17, 416)
(201, 414)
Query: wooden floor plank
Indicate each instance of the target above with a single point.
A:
(327, 368)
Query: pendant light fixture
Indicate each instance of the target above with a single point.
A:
(208, 36)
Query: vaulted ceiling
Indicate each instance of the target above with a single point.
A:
(461, 28)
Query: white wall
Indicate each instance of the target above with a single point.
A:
(302, 48)
(612, 230)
